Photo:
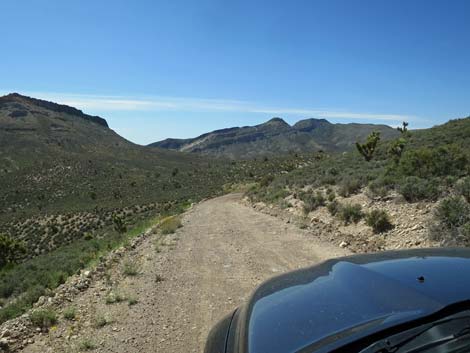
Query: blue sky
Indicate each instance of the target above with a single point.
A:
(157, 69)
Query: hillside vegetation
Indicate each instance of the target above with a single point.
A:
(424, 169)
(72, 189)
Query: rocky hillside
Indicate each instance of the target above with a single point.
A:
(410, 224)
(414, 192)
(53, 131)
(54, 158)
(277, 137)
(20, 106)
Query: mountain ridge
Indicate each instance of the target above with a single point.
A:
(277, 136)
(16, 98)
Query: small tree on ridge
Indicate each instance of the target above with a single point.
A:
(368, 148)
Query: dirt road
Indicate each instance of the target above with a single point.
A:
(209, 267)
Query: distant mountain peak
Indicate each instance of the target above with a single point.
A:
(310, 124)
(55, 107)
(276, 121)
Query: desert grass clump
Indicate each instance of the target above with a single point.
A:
(101, 321)
(379, 220)
(43, 318)
(132, 301)
(130, 268)
(349, 187)
(350, 213)
(87, 345)
(170, 224)
(114, 297)
(70, 313)
(157, 244)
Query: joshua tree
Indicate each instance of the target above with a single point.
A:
(396, 148)
(404, 128)
(368, 148)
(119, 224)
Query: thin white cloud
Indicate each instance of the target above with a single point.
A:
(101, 103)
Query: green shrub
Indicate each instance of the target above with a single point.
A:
(379, 220)
(87, 236)
(284, 204)
(43, 318)
(416, 189)
(463, 188)
(429, 162)
(466, 231)
(381, 186)
(333, 207)
(350, 213)
(70, 313)
(349, 187)
(312, 201)
(453, 212)
(10, 250)
(275, 195)
(327, 180)
(330, 194)
(266, 180)
(170, 224)
(449, 180)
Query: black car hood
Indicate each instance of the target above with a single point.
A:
(322, 307)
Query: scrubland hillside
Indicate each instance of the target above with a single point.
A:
(414, 191)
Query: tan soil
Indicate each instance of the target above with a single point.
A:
(209, 267)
